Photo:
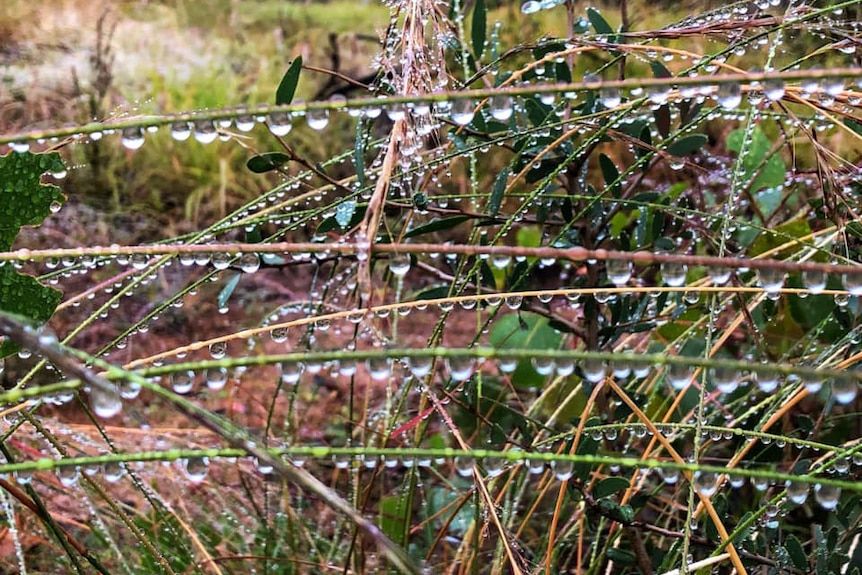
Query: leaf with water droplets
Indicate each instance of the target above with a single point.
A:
(25, 201)
(228, 289)
(287, 87)
(267, 162)
(687, 145)
(437, 225)
(341, 219)
(611, 174)
(480, 23)
(496, 198)
(770, 169)
(609, 485)
(599, 23)
(796, 552)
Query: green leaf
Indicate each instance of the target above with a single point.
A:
(796, 552)
(609, 486)
(598, 21)
(267, 162)
(287, 87)
(392, 521)
(227, 290)
(621, 556)
(437, 225)
(480, 23)
(524, 331)
(611, 174)
(496, 199)
(330, 223)
(344, 213)
(770, 170)
(25, 201)
(686, 145)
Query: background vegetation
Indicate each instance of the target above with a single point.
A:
(429, 287)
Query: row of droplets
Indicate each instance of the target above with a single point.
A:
(196, 469)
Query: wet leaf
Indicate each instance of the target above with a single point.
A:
(287, 87)
(437, 225)
(228, 289)
(496, 199)
(611, 174)
(770, 170)
(480, 23)
(686, 145)
(267, 162)
(610, 485)
(598, 21)
(25, 201)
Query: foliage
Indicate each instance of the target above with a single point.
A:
(585, 303)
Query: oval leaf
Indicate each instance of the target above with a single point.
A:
(478, 28)
(287, 87)
(687, 145)
(609, 486)
(496, 199)
(267, 162)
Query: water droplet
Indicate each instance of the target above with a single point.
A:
(619, 272)
(55, 207)
(767, 382)
(262, 467)
(678, 375)
(507, 364)
(182, 382)
(853, 283)
(773, 89)
(221, 261)
(844, 390)
(827, 496)
(543, 365)
(113, 471)
(563, 470)
(500, 107)
(279, 334)
(494, 466)
(196, 468)
(420, 366)
(68, 475)
(216, 378)
(379, 368)
(218, 349)
(719, 275)
(291, 372)
(280, 124)
(205, 131)
(797, 491)
(673, 274)
(317, 119)
(462, 111)
(464, 466)
(814, 281)
(594, 370)
(399, 264)
(610, 97)
(132, 138)
(181, 131)
(670, 476)
(249, 263)
(771, 280)
(725, 379)
(106, 403)
(729, 95)
(531, 7)
(706, 483)
(460, 368)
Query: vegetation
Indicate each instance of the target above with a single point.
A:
(508, 301)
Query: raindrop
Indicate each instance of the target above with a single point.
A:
(106, 402)
(279, 334)
(464, 466)
(773, 89)
(670, 476)
(221, 261)
(68, 475)
(706, 483)
(216, 378)
(494, 466)
(767, 382)
(507, 364)
(317, 119)
(291, 371)
(218, 349)
(500, 107)
(113, 471)
(531, 7)
(853, 283)
(725, 379)
(279, 124)
(249, 263)
(399, 264)
(844, 390)
(205, 131)
(460, 368)
(719, 275)
(196, 468)
(770, 279)
(729, 95)
(262, 467)
(678, 375)
(619, 272)
(827, 496)
(594, 370)
(797, 491)
(182, 382)
(610, 97)
(563, 470)
(673, 274)
(132, 138)
(420, 366)
(814, 281)
(462, 111)
(514, 302)
(379, 368)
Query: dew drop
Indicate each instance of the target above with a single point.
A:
(181, 131)
(182, 382)
(205, 131)
(317, 119)
(196, 468)
(106, 403)
(132, 138)
(827, 496)
(706, 483)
